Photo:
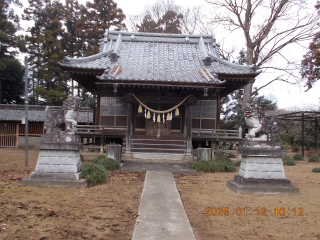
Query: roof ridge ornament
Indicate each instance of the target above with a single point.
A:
(207, 60)
(114, 56)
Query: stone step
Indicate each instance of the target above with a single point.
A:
(157, 141)
(158, 150)
(162, 146)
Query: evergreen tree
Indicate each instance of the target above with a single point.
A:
(35, 12)
(310, 65)
(12, 82)
(234, 113)
(74, 37)
(46, 50)
(10, 43)
(148, 25)
(102, 15)
(170, 22)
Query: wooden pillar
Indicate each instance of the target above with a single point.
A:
(129, 125)
(101, 144)
(218, 109)
(189, 126)
(97, 112)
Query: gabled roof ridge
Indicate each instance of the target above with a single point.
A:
(86, 59)
(251, 68)
(212, 36)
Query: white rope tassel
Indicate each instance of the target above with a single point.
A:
(171, 116)
(154, 117)
(145, 113)
(163, 117)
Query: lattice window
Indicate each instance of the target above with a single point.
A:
(204, 114)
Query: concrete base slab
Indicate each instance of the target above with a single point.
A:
(261, 188)
(161, 212)
(53, 183)
(143, 166)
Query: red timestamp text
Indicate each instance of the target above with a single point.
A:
(259, 211)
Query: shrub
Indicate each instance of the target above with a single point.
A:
(237, 164)
(314, 159)
(295, 148)
(99, 157)
(218, 165)
(297, 157)
(95, 173)
(288, 161)
(316, 170)
(108, 163)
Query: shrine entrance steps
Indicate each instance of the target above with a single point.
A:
(145, 147)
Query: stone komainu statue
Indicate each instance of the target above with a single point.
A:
(67, 114)
(256, 121)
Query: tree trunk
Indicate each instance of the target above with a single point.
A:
(247, 92)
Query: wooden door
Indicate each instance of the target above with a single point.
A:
(161, 128)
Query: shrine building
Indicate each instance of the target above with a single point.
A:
(158, 93)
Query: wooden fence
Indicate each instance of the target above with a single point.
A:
(34, 129)
(9, 135)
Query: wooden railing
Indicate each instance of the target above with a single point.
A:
(217, 133)
(98, 130)
(33, 129)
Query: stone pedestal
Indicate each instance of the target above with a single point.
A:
(59, 162)
(114, 151)
(204, 154)
(261, 169)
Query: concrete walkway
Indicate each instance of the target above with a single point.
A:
(161, 213)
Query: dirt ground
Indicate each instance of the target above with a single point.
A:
(109, 211)
(106, 211)
(252, 216)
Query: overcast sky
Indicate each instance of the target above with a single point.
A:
(287, 96)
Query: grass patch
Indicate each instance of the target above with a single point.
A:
(108, 163)
(314, 159)
(316, 170)
(95, 173)
(218, 165)
(297, 157)
(288, 161)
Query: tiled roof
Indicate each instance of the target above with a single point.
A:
(9, 112)
(159, 57)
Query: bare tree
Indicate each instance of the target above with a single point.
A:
(268, 27)
(192, 18)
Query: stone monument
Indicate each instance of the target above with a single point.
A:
(261, 169)
(59, 162)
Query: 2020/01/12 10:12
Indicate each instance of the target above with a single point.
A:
(247, 211)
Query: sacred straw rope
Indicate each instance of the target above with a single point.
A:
(159, 112)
